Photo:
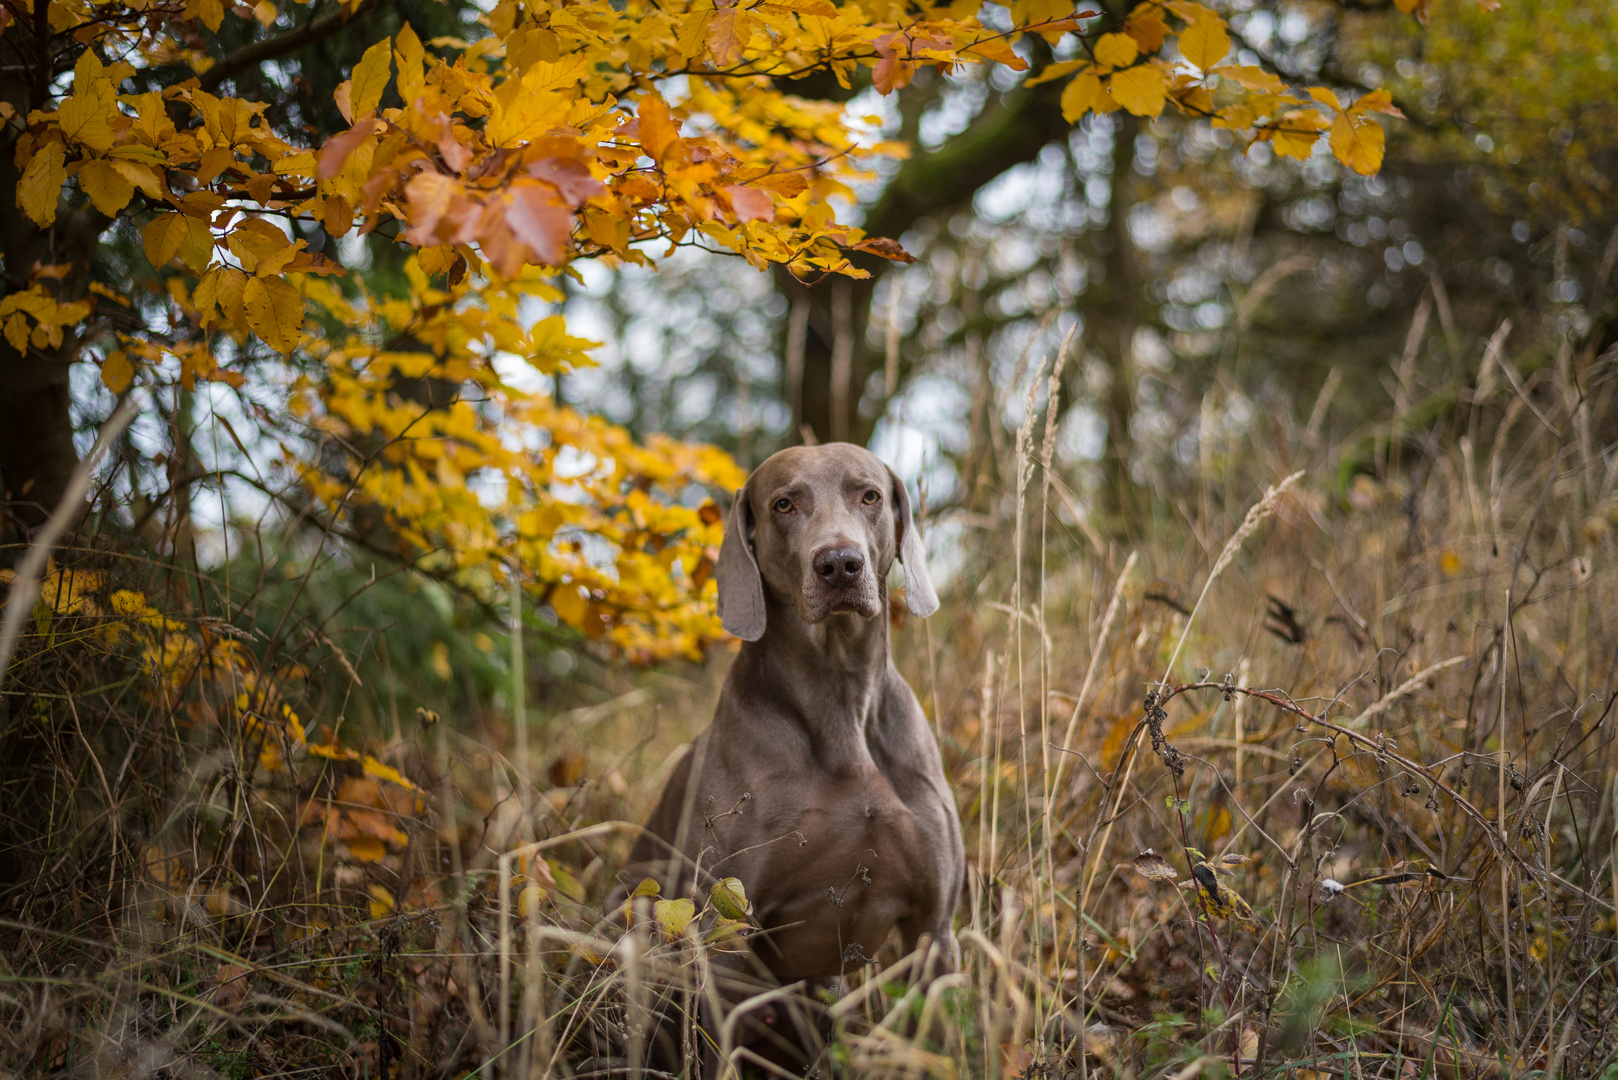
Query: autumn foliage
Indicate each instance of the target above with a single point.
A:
(594, 130)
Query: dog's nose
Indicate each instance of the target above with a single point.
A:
(839, 565)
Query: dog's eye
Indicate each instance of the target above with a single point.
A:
(783, 505)
(872, 497)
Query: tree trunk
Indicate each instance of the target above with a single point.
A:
(37, 457)
(827, 398)
(1120, 302)
(1012, 129)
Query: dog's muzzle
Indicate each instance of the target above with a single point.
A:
(840, 580)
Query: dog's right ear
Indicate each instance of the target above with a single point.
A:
(741, 589)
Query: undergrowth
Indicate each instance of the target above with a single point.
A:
(1309, 776)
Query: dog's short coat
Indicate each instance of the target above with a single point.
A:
(819, 783)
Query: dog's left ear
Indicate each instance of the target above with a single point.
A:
(741, 588)
(920, 596)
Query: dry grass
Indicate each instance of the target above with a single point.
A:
(1389, 688)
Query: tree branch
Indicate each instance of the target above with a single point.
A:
(251, 56)
(1007, 132)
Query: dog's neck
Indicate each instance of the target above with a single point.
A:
(831, 672)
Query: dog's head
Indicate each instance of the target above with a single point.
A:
(819, 528)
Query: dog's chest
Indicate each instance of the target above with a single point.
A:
(864, 863)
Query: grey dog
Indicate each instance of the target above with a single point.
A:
(819, 784)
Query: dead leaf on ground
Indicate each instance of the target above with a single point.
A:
(230, 986)
(1152, 866)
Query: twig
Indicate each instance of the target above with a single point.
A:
(25, 588)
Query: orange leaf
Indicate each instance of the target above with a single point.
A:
(539, 221)
(750, 204)
(657, 130)
(427, 199)
(334, 155)
(997, 50)
(362, 823)
(892, 72)
(569, 176)
(888, 249)
(1377, 101)
(1418, 8)
(1148, 32)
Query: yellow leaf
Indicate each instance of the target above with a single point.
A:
(16, 332)
(1358, 142)
(117, 371)
(343, 96)
(1116, 50)
(84, 118)
(1252, 78)
(729, 31)
(1450, 563)
(162, 238)
(274, 311)
(541, 76)
(1190, 11)
(1217, 900)
(1056, 71)
(41, 184)
(142, 176)
(196, 248)
(409, 58)
(109, 189)
(529, 900)
(370, 79)
(1204, 43)
(271, 265)
(693, 33)
(1141, 90)
(373, 767)
(820, 8)
(228, 293)
(673, 916)
(381, 896)
(569, 606)
(1325, 97)
(729, 898)
(211, 12)
(1296, 133)
(1080, 96)
(366, 849)
(332, 751)
(300, 163)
